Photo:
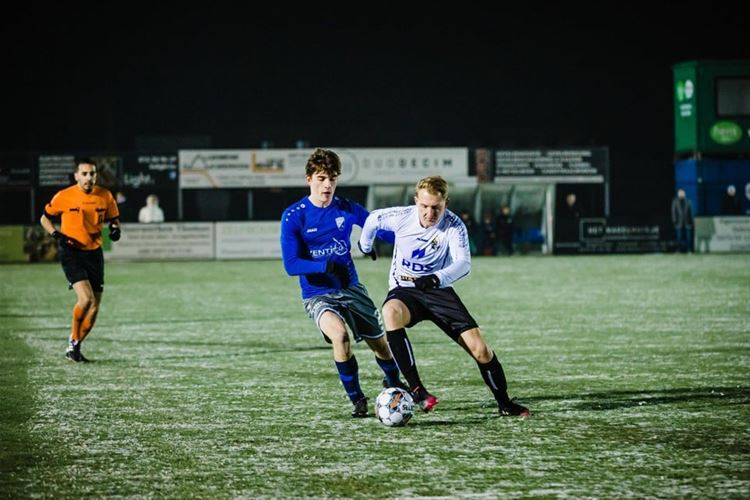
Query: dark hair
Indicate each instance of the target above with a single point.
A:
(83, 160)
(323, 160)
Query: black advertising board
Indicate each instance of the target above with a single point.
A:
(150, 171)
(15, 170)
(617, 235)
(55, 170)
(563, 165)
(149, 174)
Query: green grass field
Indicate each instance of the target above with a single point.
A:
(210, 381)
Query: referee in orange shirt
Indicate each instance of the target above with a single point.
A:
(83, 208)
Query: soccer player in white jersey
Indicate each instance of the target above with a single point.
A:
(315, 233)
(431, 252)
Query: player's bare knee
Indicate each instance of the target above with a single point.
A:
(483, 354)
(476, 346)
(338, 338)
(86, 302)
(393, 315)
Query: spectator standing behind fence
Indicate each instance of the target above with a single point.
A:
(572, 210)
(487, 234)
(504, 229)
(471, 229)
(125, 209)
(682, 218)
(730, 205)
(567, 219)
(152, 212)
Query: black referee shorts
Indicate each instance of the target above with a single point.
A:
(442, 306)
(80, 265)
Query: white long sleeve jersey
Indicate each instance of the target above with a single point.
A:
(442, 250)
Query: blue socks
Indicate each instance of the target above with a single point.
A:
(390, 369)
(349, 376)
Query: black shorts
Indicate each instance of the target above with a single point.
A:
(80, 265)
(442, 306)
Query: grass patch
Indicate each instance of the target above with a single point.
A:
(209, 380)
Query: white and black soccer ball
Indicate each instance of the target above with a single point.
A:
(394, 407)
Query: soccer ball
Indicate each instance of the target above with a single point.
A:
(394, 407)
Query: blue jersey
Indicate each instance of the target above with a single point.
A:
(311, 236)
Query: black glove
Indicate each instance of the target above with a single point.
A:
(114, 231)
(425, 282)
(370, 254)
(65, 240)
(340, 271)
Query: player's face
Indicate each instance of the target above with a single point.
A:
(322, 187)
(431, 207)
(86, 176)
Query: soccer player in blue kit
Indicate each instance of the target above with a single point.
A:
(315, 246)
(431, 252)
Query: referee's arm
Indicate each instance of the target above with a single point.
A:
(47, 224)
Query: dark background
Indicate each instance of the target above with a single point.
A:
(548, 76)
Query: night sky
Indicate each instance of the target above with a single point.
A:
(546, 77)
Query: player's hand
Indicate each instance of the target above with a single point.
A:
(371, 253)
(65, 240)
(426, 282)
(340, 271)
(114, 231)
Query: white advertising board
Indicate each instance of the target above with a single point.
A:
(178, 240)
(224, 168)
(257, 240)
(248, 240)
(722, 234)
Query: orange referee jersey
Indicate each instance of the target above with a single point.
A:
(83, 213)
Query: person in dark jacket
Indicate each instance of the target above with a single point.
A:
(682, 218)
(504, 229)
(730, 205)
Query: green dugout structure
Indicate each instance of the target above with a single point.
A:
(712, 149)
(712, 108)
(712, 132)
